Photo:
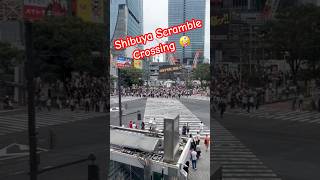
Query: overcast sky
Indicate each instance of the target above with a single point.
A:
(155, 15)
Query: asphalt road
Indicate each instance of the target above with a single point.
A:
(290, 149)
(199, 108)
(132, 106)
(74, 141)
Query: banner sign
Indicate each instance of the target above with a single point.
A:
(220, 22)
(36, 10)
(170, 68)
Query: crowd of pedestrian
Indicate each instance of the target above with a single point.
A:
(232, 91)
(81, 91)
(163, 92)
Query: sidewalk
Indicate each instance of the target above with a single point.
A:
(203, 165)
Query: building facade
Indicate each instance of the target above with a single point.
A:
(126, 19)
(179, 11)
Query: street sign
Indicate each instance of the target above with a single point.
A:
(170, 68)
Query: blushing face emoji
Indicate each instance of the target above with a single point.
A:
(184, 41)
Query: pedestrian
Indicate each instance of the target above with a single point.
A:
(134, 126)
(188, 129)
(48, 104)
(294, 101)
(186, 167)
(207, 142)
(198, 151)
(258, 101)
(193, 157)
(184, 130)
(319, 104)
(142, 125)
(301, 101)
(130, 124)
(201, 127)
(198, 138)
(251, 103)
(87, 104)
(222, 108)
(193, 142)
(72, 104)
(59, 103)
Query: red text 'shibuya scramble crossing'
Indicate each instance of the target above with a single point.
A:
(129, 41)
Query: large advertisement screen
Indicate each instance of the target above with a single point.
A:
(36, 10)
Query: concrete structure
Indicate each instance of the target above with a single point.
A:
(140, 154)
(180, 11)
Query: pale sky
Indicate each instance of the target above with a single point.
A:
(155, 15)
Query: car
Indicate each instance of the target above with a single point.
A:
(115, 109)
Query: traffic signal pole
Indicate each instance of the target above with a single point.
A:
(31, 111)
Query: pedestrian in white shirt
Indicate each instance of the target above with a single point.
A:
(193, 158)
(201, 127)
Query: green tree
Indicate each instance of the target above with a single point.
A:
(9, 57)
(201, 73)
(65, 44)
(294, 34)
(130, 76)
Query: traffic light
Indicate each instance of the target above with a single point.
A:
(93, 172)
(138, 115)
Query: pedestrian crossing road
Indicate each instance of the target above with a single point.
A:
(288, 115)
(19, 122)
(158, 108)
(237, 161)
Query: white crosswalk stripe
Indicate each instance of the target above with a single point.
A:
(115, 99)
(287, 115)
(195, 97)
(237, 161)
(158, 108)
(19, 122)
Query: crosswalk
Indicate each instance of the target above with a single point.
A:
(202, 98)
(237, 161)
(158, 108)
(280, 114)
(19, 122)
(115, 99)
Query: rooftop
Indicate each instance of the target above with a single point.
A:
(130, 146)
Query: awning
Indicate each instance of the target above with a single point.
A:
(133, 140)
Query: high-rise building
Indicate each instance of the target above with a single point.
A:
(180, 11)
(126, 19)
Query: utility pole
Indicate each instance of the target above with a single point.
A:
(250, 48)
(31, 111)
(119, 93)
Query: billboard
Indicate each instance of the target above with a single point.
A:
(123, 62)
(90, 10)
(137, 63)
(170, 68)
(36, 10)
